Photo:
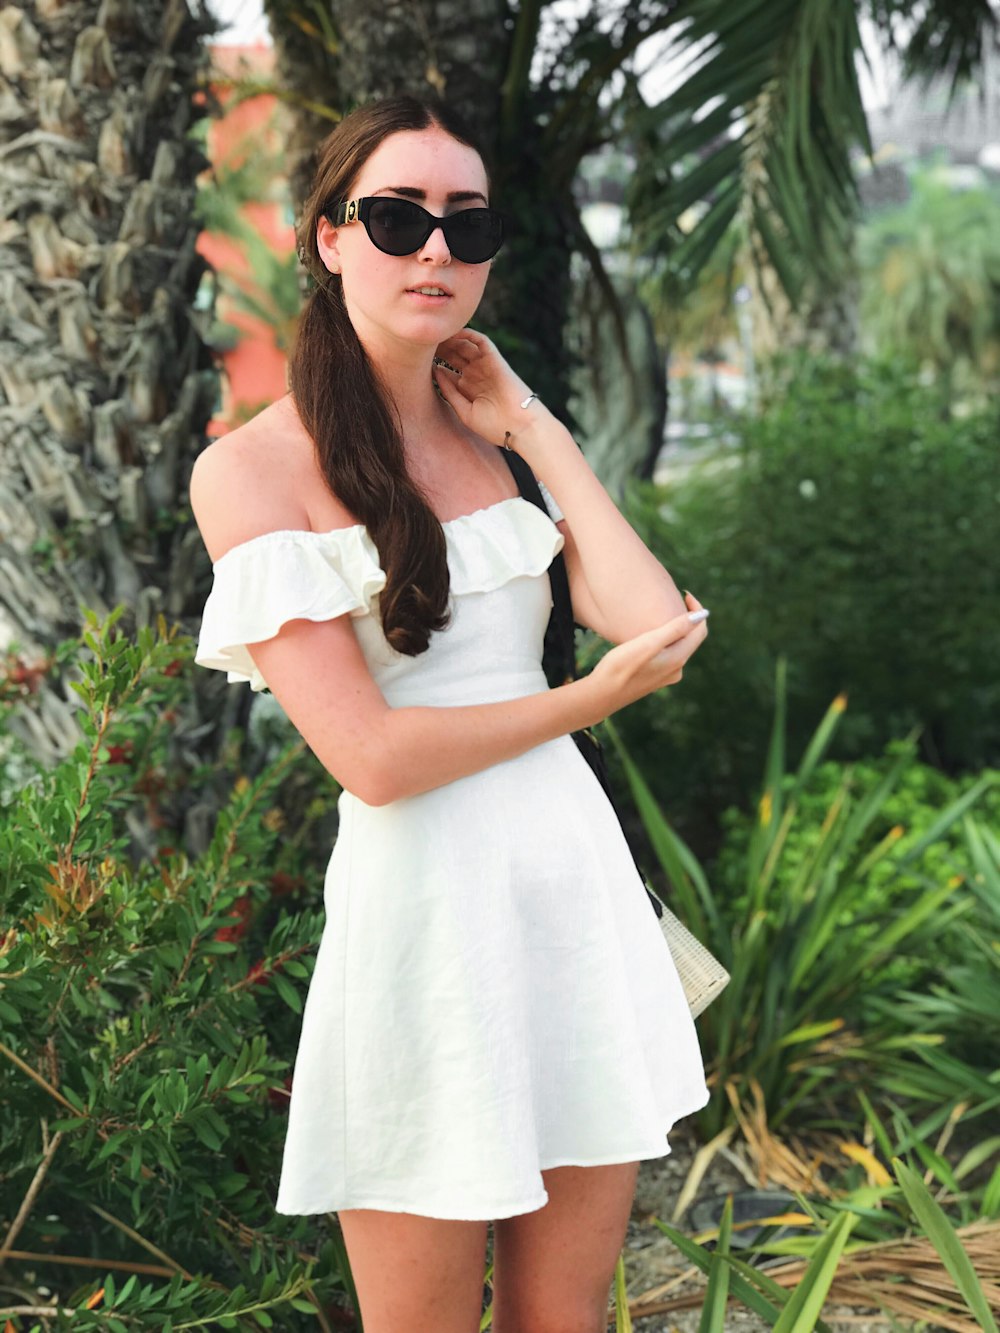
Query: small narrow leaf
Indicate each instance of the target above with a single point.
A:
(942, 1236)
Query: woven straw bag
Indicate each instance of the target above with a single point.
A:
(702, 975)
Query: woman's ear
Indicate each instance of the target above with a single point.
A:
(326, 244)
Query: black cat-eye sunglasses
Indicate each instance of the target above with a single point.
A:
(401, 227)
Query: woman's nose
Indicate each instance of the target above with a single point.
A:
(435, 248)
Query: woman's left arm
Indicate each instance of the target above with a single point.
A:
(618, 587)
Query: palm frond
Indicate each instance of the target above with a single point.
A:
(774, 149)
(607, 53)
(948, 40)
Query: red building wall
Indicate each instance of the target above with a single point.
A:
(254, 368)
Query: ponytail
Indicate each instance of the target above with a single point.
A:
(344, 407)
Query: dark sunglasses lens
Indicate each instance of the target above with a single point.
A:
(400, 228)
(397, 226)
(474, 234)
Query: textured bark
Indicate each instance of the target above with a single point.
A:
(105, 383)
(461, 50)
(621, 408)
(309, 73)
(827, 322)
(454, 50)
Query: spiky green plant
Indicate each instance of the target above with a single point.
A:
(790, 1298)
(813, 1008)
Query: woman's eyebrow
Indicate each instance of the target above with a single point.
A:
(453, 197)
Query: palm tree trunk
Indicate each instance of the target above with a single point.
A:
(107, 384)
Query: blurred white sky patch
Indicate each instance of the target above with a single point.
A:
(243, 22)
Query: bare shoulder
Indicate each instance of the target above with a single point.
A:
(255, 479)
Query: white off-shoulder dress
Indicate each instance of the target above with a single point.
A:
(492, 993)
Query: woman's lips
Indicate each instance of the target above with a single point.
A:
(441, 296)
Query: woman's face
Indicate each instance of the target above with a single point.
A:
(380, 290)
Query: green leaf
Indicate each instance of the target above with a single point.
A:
(806, 1304)
(287, 991)
(943, 1237)
(990, 1206)
(713, 1312)
(623, 1320)
(694, 896)
(941, 825)
(978, 1155)
(741, 1288)
(204, 1131)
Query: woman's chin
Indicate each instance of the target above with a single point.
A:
(432, 330)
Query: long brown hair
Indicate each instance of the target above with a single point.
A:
(344, 405)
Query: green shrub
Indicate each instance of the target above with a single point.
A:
(839, 901)
(906, 813)
(149, 1010)
(855, 530)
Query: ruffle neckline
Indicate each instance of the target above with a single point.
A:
(308, 535)
(484, 549)
(297, 574)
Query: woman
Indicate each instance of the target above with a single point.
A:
(494, 1029)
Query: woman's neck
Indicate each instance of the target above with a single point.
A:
(423, 414)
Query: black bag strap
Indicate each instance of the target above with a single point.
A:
(559, 656)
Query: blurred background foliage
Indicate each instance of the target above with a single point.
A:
(931, 284)
(851, 524)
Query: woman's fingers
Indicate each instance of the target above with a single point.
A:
(672, 630)
(672, 635)
(457, 354)
(447, 386)
(461, 346)
(477, 339)
(660, 637)
(644, 650)
(687, 645)
(650, 660)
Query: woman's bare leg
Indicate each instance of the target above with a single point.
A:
(415, 1274)
(552, 1269)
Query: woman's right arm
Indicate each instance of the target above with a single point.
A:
(317, 672)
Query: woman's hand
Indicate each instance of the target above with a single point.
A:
(650, 661)
(484, 392)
